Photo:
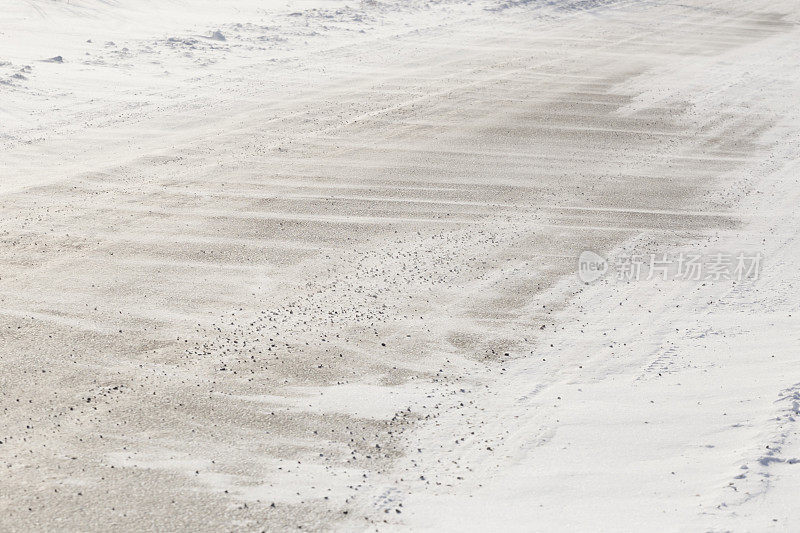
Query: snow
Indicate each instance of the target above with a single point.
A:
(316, 264)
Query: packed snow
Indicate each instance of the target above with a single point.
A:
(399, 265)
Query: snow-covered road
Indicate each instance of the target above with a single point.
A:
(315, 264)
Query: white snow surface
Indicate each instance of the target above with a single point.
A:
(272, 264)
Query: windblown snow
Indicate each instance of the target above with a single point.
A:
(399, 265)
